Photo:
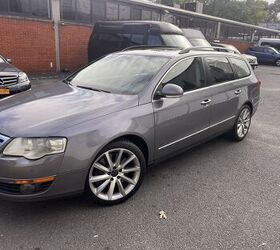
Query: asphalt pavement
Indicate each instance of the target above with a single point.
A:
(220, 195)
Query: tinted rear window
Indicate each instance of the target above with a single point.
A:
(240, 67)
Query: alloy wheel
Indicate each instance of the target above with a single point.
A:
(278, 63)
(243, 122)
(114, 174)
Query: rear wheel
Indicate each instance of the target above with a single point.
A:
(116, 173)
(242, 124)
(278, 63)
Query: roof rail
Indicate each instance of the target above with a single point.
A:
(213, 48)
(151, 47)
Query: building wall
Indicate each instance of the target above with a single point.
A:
(73, 45)
(29, 43)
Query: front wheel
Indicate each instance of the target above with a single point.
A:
(278, 63)
(242, 124)
(116, 173)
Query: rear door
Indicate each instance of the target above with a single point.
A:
(181, 122)
(224, 92)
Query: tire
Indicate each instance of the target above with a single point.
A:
(277, 62)
(122, 166)
(242, 124)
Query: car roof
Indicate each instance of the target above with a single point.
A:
(162, 27)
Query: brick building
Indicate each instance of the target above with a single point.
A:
(52, 35)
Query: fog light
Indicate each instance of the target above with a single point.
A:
(27, 188)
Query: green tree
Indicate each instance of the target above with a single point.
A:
(247, 11)
(274, 12)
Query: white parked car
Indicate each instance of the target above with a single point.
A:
(251, 59)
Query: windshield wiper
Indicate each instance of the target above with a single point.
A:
(93, 89)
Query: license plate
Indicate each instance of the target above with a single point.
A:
(4, 91)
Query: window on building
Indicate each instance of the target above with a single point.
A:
(98, 10)
(68, 9)
(188, 74)
(135, 14)
(20, 6)
(112, 11)
(29, 8)
(40, 8)
(84, 11)
(124, 12)
(156, 16)
(4, 6)
(240, 67)
(146, 15)
(220, 69)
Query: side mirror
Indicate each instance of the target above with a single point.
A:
(171, 90)
(9, 60)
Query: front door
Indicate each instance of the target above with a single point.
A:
(180, 122)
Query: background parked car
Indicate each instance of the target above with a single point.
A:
(12, 80)
(250, 58)
(270, 42)
(108, 37)
(265, 54)
(196, 37)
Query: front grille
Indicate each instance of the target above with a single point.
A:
(8, 80)
(12, 188)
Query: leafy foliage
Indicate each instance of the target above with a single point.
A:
(247, 11)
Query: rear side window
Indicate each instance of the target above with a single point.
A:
(137, 39)
(188, 74)
(240, 67)
(154, 40)
(220, 69)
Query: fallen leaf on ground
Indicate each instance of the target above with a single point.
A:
(162, 214)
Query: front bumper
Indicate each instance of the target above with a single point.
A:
(17, 88)
(14, 170)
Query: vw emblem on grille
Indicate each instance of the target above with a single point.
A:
(1, 81)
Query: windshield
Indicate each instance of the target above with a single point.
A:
(274, 50)
(199, 42)
(119, 73)
(176, 40)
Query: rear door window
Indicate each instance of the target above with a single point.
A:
(219, 69)
(240, 67)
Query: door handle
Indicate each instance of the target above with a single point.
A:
(238, 91)
(206, 102)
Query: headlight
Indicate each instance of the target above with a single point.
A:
(22, 77)
(35, 148)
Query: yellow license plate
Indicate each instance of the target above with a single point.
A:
(4, 91)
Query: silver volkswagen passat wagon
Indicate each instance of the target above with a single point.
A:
(97, 131)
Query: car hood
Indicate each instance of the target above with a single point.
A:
(7, 68)
(48, 109)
